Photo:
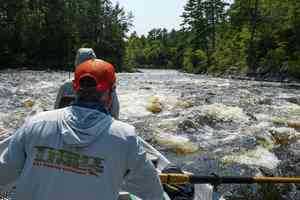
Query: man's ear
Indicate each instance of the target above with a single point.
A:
(75, 85)
(104, 97)
(114, 86)
(107, 99)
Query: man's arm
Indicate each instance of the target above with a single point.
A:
(12, 158)
(64, 96)
(115, 107)
(59, 96)
(142, 179)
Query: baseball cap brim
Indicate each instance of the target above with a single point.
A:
(101, 85)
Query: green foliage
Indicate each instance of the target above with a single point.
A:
(247, 37)
(194, 61)
(134, 54)
(260, 37)
(230, 55)
(188, 60)
(200, 61)
(257, 36)
(273, 60)
(159, 49)
(48, 33)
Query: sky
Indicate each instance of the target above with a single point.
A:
(149, 14)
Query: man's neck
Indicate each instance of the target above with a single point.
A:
(91, 105)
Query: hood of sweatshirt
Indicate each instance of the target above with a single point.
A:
(81, 126)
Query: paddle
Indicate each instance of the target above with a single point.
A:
(179, 179)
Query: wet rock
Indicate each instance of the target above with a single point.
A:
(188, 124)
(283, 135)
(184, 104)
(216, 113)
(257, 157)
(294, 124)
(28, 103)
(154, 105)
(178, 144)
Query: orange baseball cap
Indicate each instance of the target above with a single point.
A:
(102, 72)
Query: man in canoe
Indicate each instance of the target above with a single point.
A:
(66, 94)
(80, 152)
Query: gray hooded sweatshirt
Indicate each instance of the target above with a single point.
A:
(77, 153)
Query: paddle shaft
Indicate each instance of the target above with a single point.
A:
(216, 180)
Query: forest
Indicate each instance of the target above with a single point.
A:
(259, 38)
(45, 34)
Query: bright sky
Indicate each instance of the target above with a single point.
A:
(149, 14)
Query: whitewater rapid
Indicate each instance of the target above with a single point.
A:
(203, 124)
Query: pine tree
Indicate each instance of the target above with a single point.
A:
(189, 15)
(251, 59)
(194, 21)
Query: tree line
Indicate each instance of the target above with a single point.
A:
(47, 33)
(252, 37)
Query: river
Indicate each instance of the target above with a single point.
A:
(203, 124)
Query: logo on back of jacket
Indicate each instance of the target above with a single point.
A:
(64, 160)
